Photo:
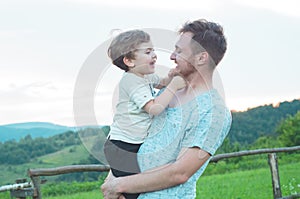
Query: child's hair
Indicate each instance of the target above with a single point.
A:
(124, 45)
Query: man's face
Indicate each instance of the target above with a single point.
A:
(183, 55)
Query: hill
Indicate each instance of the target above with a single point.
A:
(34, 129)
(58, 150)
(249, 125)
(75, 154)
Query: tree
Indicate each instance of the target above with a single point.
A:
(289, 130)
(265, 142)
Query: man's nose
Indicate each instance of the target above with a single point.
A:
(173, 56)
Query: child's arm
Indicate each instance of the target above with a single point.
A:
(163, 82)
(157, 105)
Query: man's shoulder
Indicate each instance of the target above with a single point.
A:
(213, 102)
(211, 98)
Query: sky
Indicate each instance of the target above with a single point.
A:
(45, 44)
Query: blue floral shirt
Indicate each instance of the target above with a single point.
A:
(203, 122)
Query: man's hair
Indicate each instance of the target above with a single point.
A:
(209, 35)
(124, 45)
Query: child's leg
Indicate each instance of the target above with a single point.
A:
(122, 158)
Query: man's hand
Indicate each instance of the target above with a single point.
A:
(108, 188)
(109, 176)
(108, 191)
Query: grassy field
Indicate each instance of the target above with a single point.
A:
(67, 156)
(246, 177)
(88, 195)
(249, 184)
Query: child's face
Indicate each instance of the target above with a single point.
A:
(145, 58)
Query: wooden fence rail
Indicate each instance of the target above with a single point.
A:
(218, 157)
(35, 174)
(67, 169)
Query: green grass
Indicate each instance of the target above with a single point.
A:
(247, 178)
(96, 194)
(249, 184)
(68, 155)
(242, 184)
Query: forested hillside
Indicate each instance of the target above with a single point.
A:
(248, 126)
(19, 152)
(13, 152)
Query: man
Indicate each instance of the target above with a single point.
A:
(183, 138)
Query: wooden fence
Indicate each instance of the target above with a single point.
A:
(35, 174)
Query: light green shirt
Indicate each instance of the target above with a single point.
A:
(131, 122)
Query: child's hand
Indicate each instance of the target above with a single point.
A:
(173, 72)
(177, 83)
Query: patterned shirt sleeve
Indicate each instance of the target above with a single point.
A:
(208, 130)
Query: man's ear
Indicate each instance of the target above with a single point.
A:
(128, 62)
(202, 58)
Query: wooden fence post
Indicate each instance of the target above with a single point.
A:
(275, 175)
(36, 173)
(37, 189)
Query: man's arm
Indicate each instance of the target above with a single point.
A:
(187, 163)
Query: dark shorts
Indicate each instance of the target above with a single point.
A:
(122, 159)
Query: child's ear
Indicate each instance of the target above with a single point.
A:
(128, 62)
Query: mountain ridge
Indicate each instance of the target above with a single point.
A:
(34, 124)
(17, 131)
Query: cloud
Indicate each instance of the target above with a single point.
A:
(57, 111)
(14, 33)
(154, 4)
(287, 7)
(36, 101)
(28, 93)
